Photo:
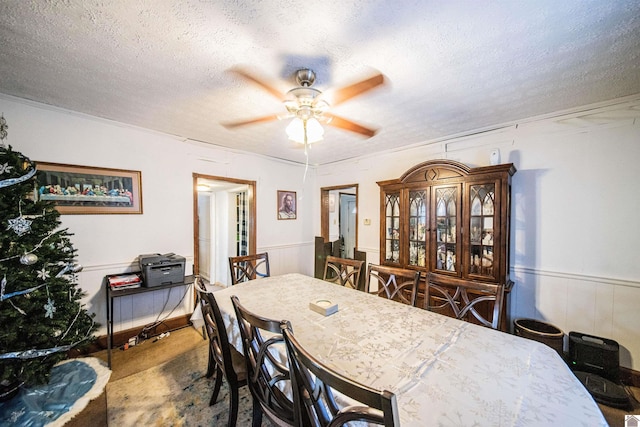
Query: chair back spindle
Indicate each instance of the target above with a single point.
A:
(462, 298)
(249, 267)
(343, 271)
(398, 284)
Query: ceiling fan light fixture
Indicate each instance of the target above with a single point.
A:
(307, 107)
(305, 131)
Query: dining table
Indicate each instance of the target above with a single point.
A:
(443, 371)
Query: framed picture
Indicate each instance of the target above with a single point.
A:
(287, 205)
(89, 190)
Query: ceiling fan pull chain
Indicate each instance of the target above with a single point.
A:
(306, 152)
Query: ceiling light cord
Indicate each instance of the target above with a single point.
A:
(306, 152)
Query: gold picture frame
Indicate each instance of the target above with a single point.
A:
(89, 190)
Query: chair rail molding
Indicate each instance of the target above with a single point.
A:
(574, 276)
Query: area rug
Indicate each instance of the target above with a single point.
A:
(72, 385)
(176, 393)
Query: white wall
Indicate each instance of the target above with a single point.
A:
(575, 233)
(109, 244)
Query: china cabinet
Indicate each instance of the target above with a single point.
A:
(444, 217)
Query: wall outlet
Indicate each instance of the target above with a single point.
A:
(367, 221)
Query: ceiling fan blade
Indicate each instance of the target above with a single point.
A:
(345, 124)
(263, 84)
(231, 125)
(348, 92)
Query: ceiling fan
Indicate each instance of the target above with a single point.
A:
(307, 106)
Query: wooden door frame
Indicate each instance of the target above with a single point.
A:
(324, 209)
(251, 198)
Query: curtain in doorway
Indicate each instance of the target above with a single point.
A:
(241, 208)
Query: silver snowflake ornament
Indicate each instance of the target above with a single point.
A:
(43, 274)
(20, 225)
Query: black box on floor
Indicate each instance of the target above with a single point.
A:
(601, 356)
(161, 269)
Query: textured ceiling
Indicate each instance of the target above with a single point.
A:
(452, 67)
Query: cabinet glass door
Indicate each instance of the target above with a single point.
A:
(418, 228)
(392, 227)
(481, 228)
(446, 200)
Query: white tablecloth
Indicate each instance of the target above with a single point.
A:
(444, 371)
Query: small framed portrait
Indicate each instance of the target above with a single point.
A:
(287, 205)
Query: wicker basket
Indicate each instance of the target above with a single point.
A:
(541, 332)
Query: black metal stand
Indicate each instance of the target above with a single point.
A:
(116, 293)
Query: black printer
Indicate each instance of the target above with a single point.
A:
(161, 269)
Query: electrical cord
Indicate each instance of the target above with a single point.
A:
(144, 333)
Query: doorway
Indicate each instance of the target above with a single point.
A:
(224, 224)
(339, 217)
(347, 224)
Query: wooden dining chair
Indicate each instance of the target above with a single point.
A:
(313, 391)
(461, 299)
(224, 360)
(267, 370)
(343, 271)
(397, 284)
(249, 267)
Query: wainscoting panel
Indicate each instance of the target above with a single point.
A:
(293, 258)
(135, 310)
(597, 306)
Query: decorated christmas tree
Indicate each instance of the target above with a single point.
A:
(41, 315)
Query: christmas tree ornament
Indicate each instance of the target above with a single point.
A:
(20, 225)
(29, 259)
(43, 274)
(49, 308)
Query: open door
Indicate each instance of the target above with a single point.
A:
(224, 224)
(338, 213)
(332, 214)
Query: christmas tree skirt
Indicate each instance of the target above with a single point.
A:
(73, 383)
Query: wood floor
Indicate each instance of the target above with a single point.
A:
(151, 353)
(144, 356)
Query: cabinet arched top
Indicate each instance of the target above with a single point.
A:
(435, 170)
